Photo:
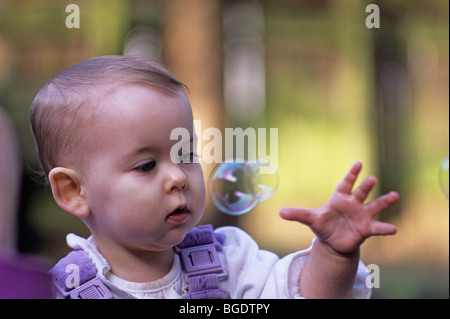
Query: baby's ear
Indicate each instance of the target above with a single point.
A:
(68, 191)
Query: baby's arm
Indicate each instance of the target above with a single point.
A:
(341, 226)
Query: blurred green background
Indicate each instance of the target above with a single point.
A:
(337, 91)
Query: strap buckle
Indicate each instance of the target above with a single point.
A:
(92, 289)
(203, 259)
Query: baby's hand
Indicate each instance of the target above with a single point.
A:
(345, 221)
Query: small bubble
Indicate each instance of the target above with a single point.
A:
(236, 188)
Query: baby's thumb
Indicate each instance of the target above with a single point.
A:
(301, 215)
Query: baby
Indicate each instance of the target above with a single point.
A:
(102, 130)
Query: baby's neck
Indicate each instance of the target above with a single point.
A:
(138, 266)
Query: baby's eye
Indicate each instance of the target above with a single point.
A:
(146, 167)
(188, 157)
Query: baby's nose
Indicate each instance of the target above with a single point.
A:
(175, 178)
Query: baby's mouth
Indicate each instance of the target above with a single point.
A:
(179, 215)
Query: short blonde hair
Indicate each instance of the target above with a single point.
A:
(65, 106)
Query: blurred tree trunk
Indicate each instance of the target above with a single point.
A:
(193, 53)
(10, 176)
(392, 89)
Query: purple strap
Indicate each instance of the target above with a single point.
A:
(206, 287)
(90, 287)
(196, 237)
(202, 235)
(201, 264)
(62, 269)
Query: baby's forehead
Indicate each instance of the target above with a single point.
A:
(134, 107)
(128, 98)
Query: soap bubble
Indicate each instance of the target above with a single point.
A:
(443, 176)
(236, 188)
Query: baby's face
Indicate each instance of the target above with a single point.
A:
(138, 197)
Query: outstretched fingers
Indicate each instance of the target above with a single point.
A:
(378, 228)
(381, 203)
(302, 215)
(362, 191)
(346, 215)
(346, 184)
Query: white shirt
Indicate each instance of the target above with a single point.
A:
(252, 273)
